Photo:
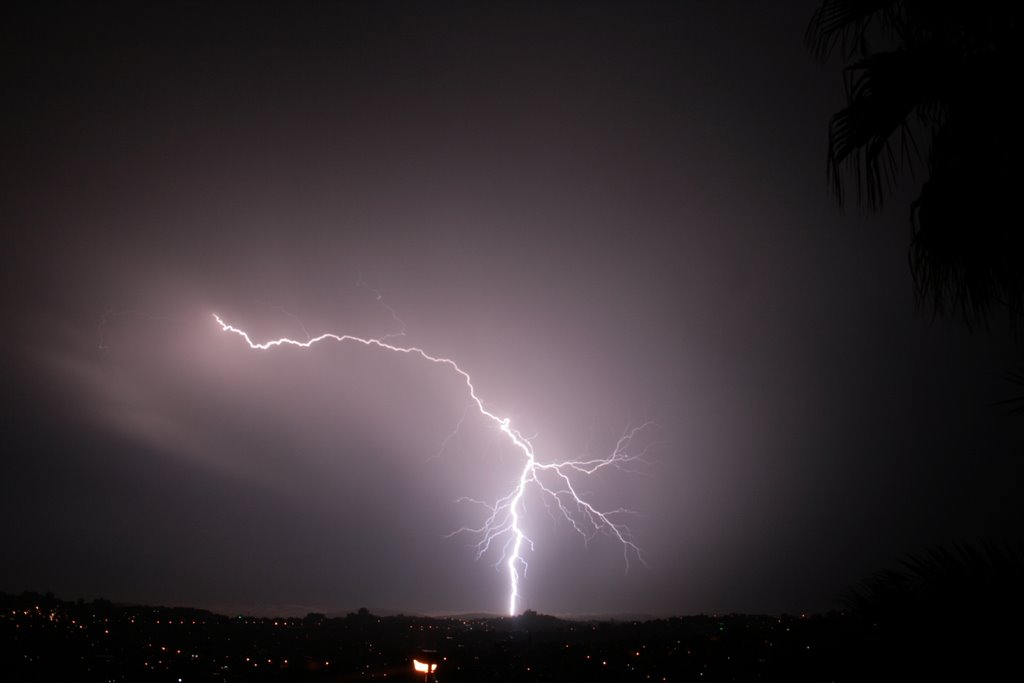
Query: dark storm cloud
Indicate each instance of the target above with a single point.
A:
(605, 213)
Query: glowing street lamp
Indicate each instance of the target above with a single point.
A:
(425, 663)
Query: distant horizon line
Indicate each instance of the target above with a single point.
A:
(299, 611)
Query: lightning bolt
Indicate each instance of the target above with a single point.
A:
(554, 480)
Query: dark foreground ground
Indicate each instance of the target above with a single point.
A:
(43, 638)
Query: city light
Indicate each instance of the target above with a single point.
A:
(423, 667)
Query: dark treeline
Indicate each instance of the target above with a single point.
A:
(50, 639)
(947, 614)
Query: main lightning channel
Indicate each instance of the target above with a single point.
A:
(504, 518)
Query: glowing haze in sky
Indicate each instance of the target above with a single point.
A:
(606, 213)
(504, 527)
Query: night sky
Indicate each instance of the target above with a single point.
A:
(606, 213)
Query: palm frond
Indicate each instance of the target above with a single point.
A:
(965, 251)
(939, 616)
(883, 91)
(1015, 403)
(963, 578)
(947, 74)
(843, 23)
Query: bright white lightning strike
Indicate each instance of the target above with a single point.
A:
(504, 518)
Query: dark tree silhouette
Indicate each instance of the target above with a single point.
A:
(931, 84)
(949, 614)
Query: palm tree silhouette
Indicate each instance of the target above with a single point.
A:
(947, 614)
(931, 84)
